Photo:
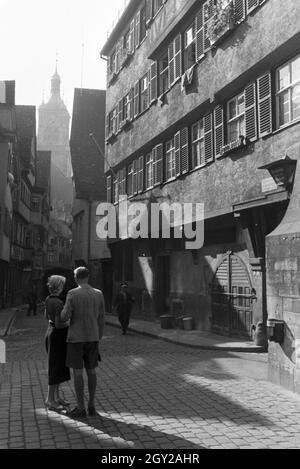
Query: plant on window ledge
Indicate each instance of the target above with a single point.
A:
(221, 22)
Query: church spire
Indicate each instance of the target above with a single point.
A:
(55, 83)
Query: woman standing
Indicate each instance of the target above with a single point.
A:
(55, 342)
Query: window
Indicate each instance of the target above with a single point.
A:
(175, 60)
(144, 99)
(170, 160)
(189, 46)
(127, 107)
(288, 92)
(132, 179)
(116, 189)
(149, 171)
(198, 145)
(112, 63)
(108, 188)
(163, 73)
(143, 24)
(35, 204)
(236, 118)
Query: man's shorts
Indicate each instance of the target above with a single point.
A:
(82, 354)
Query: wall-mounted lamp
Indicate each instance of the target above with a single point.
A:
(282, 171)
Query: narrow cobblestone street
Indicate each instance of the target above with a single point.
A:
(151, 394)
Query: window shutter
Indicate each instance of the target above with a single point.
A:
(177, 153)
(122, 55)
(184, 150)
(171, 63)
(158, 174)
(136, 99)
(250, 112)
(149, 11)
(251, 5)
(141, 174)
(264, 105)
(107, 125)
(131, 108)
(137, 29)
(108, 69)
(131, 34)
(120, 114)
(239, 10)
(108, 189)
(208, 138)
(178, 57)
(135, 176)
(219, 130)
(208, 11)
(153, 82)
(118, 59)
(199, 35)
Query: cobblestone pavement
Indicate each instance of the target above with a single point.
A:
(151, 394)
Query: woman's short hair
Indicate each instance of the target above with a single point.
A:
(56, 283)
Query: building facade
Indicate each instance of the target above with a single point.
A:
(201, 96)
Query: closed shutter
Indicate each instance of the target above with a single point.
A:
(208, 138)
(135, 175)
(120, 115)
(239, 10)
(158, 174)
(137, 29)
(131, 35)
(199, 35)
(251, 5)
(109, 189)
(153, 82)
(171, 63)
(208, 11)
(149, 11)
(136, 99)
(250, 112)
(264, 87)
(177, 153)
(141, 174)
(184, 150)
(178, 57)
(219, 130)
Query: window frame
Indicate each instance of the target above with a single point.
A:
(237, 118)
(187, 47)
(288, 88)
(194, 143)
(144, 93)
(170, 160)
(149, 170)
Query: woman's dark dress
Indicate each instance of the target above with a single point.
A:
(55, 342)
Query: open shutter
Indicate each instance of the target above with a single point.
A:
(141, 174)
(131, 37)
(109, 189)
(136, 99)
(219, 130)
(107, 125)
(199, 35)
(137, 29)
(208, 12)
(178, 57)
(149, 11)
(250, 112)
(131, 105)
(120, 115)
(158, 174)
(153, 82)
(184, 150)
(177, 153)
(251, 5)
(208, 138)
(135, 176)
(171, 63)
(239, 10)
(264, 87)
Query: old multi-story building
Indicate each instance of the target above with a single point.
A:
(202, 97)
(7, 139)
(87, 145)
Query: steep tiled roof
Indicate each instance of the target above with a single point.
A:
(88, 165)
(26, 132)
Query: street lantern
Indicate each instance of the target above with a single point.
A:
(282, 171)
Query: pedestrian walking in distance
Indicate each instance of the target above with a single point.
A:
(32, 302)
(55, 342)
(85, 309)
(123, 304)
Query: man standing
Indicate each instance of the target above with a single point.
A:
(85, 309)
(123, 305)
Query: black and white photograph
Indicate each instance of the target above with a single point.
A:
(149, 229)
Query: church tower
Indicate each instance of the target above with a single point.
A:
(53, 135)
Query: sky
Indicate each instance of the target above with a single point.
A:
(34, 32)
